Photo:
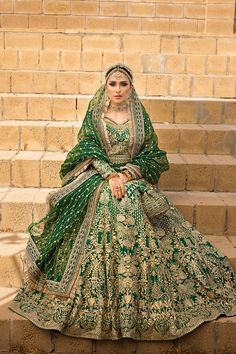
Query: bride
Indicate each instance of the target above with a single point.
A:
(113, 257)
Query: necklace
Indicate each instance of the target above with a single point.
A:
(116, 108)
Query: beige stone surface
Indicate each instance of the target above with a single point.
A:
(192, 139)
(225, 172)
(175, 178)
(33, 136)
(26, 169)
(50, 167)
(59, 137)
(5, 167)
(168, 137)
(220, 141)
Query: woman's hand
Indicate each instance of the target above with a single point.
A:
(117, 186)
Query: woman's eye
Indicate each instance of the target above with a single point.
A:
(124, 83)
(112, 84)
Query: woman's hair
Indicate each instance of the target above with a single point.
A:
(121, 68)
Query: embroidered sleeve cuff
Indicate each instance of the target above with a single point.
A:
(133, 169)
(103, 168)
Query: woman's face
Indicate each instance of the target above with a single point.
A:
(118, 87)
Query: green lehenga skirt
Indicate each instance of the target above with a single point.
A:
(135, 278)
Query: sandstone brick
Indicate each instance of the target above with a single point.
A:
(14, 21)
(2, 45)
(89, 82)
(219, 26)
(220, 11)
(157, 85)
(111, 58)
(202, 338)
(14, 108)
(28, 6)
(17, 209)
(6, 6)
(231, 220)
(61, 41)
(210, 112)
(71, 22)
(59, 138)
(232, 66)
(40, 206)
(229, 112)
(82, 107)
(123, 346)
(39, 108)
(225, 173)
(44, 82)
(4, 81)
(71, 60)
(22, 82)
(216, 65)
(223, 326)
(49, 60)
(186, 112)
(168, 137)
(141, 43)
(5, 330)
(99, 24)
(27, 336)
(153, 347)
(101, 43)
(67, 83)
(92, 61)
(64, 109)
(202, 86)
(141, 9)
(175, 177)
(180, 85)
(72, 345)
(226, 46)
(50, 167)
(184, 203)
(113, 9)
(196, 64)
(210, 214)
(155, 25)
(224, 87)
(200, 25)
(47, 22)
(161, 111)
(9, 135)
(25, 169)
(220, 141)
(5, 167)
(28, 59)
(33, 136)
(84, 7)
(127, 24)
(197, 45)
(192, 140)
(183, 25)
(169, 45)
(23, 40)
(169, 10)
(141, 84)
(195, 11)
(149, 63)
(133, 60)
(175, 64)
(8, 59)
(201, 173)
(56, 7)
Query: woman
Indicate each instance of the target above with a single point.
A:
(113, 257)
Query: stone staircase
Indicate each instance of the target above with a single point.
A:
(52, 55)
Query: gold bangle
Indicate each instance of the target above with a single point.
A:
(128, 175)
(112, 175)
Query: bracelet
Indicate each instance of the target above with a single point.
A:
(128, 174)
(112, 175)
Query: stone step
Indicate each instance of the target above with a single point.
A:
(61, 136)
(12, 246)
(211, 213)
(148, 84)
(187, 171)
(19, 336)
(46, 107)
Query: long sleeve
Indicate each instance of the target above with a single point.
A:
(103, 167)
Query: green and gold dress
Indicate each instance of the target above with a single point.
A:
(102, 268)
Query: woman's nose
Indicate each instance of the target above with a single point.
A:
(117, 88)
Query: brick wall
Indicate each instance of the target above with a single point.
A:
(213, 16)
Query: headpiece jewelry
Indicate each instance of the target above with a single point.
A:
(121, 68)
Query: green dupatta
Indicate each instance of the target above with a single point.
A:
(53, 268)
